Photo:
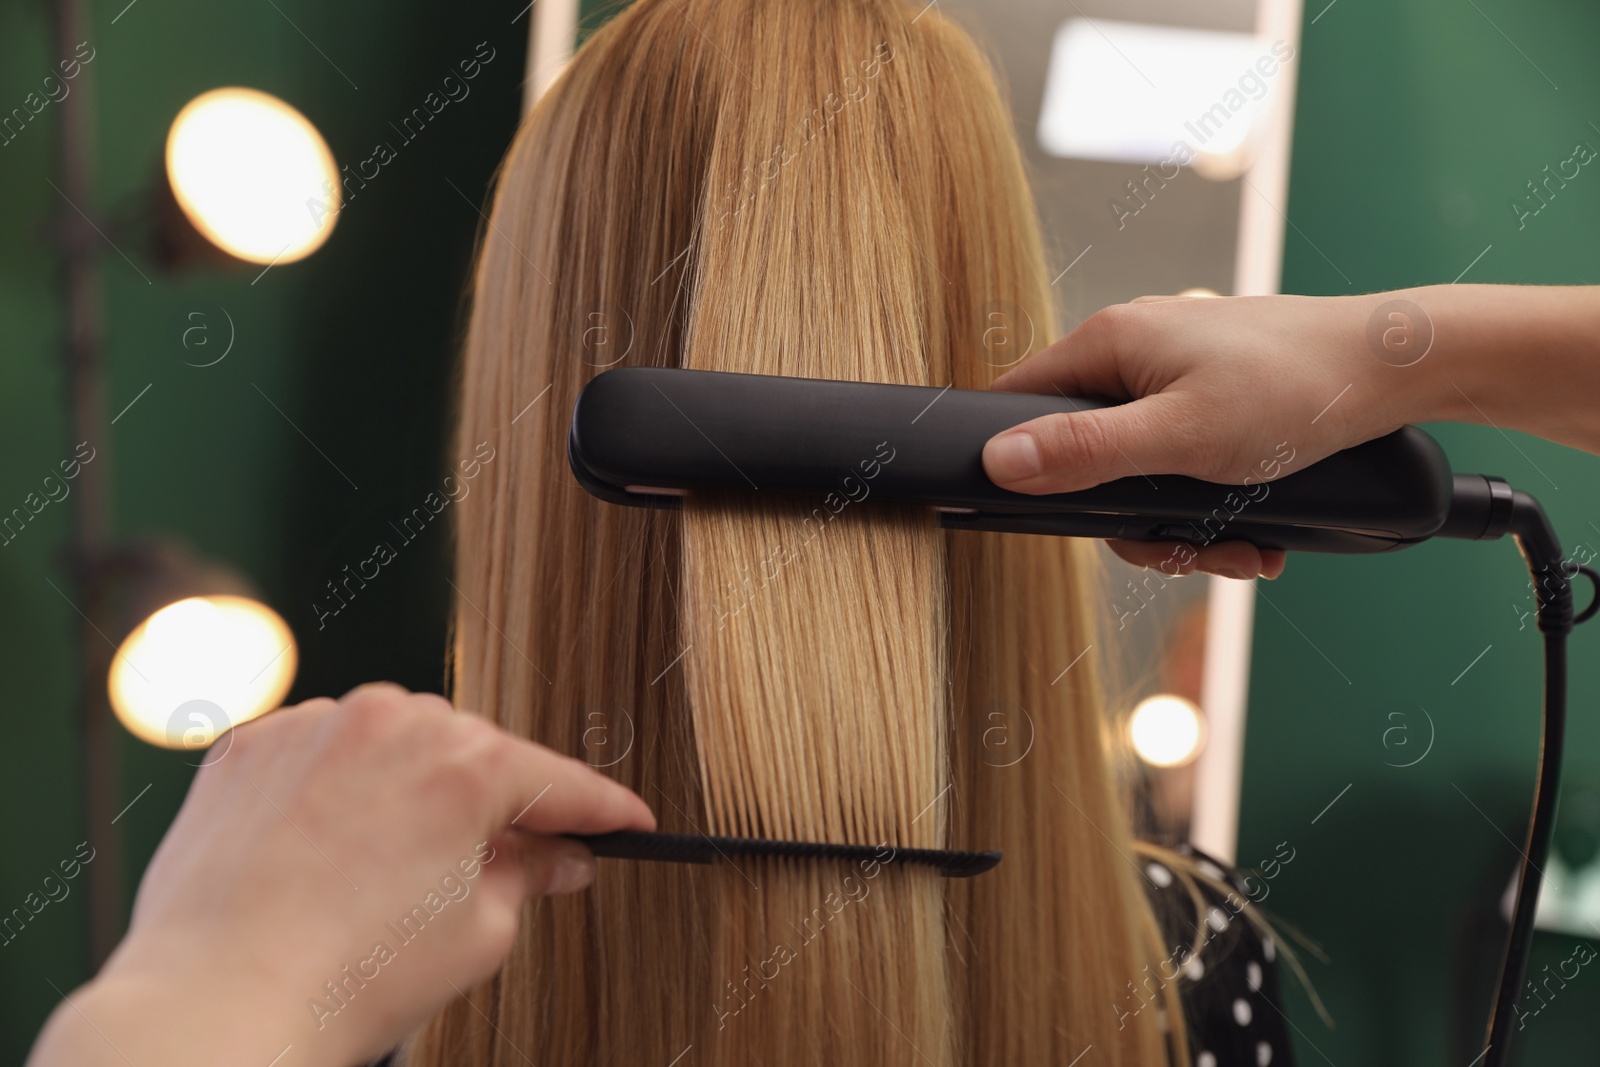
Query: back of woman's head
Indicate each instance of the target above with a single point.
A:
(825, 188)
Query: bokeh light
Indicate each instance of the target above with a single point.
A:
(199, 666)
(253, 175)
(1166, 730)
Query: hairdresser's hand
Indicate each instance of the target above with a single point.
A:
(1234, 390)
(335, 876)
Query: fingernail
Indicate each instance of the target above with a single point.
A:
(1229, 572)
(1011, 457)
(570, 874)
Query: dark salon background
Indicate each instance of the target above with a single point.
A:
(1419, 123)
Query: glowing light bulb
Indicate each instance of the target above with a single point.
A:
(253, 175)
(199, 666)
(1166, 730)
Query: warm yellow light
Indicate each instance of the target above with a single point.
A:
(1200, 292)
(199, 666)
(253, 175)
(1166, 730)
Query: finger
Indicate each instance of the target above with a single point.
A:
(1172, 558)
(1227, 559)
(376, 689)
(520, 865)
(538, 790)
(1240, 559)
(1075, 450)
(1084, 363)
(535, 865)
(306, 709)
(1230, 559)
(553, 865)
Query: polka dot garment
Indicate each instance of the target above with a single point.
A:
(1229, 989)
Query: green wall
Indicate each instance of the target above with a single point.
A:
(1418, 122)
(354, 344)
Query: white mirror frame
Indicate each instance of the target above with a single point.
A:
(1230, 607)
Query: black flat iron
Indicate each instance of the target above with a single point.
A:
(644, 437)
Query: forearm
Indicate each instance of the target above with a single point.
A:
(117, 1023)
(1521, 357)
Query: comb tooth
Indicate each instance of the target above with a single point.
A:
(702, 848)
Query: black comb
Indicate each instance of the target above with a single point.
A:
(702, 848)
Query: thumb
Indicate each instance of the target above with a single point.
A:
(537, 865)
(1078, 449)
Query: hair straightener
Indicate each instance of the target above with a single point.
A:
(646, 436)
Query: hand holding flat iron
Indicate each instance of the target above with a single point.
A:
(1215, 386)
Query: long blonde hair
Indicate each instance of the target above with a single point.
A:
(827, 188)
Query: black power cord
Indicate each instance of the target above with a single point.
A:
(1485, 507)
(1593, 576)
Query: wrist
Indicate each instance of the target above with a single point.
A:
(1448, 385)
(1422, 355)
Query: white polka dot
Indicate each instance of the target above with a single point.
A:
(1193, 969)
(1209, 868)
(1252, 975)
(1241, 1012)
(1268, 949)
(1159, 875)
(1217, 920)
(1205, 1059)
(1263, 1054)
